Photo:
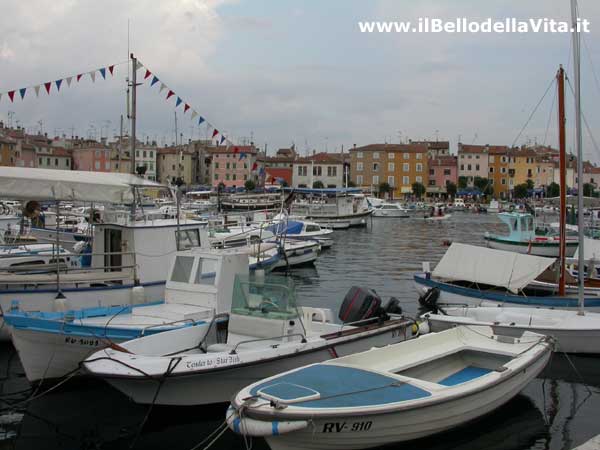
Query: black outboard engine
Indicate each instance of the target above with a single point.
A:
(359, 304)
(429, 299)
(393, 306)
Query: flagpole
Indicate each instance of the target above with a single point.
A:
(133, 110)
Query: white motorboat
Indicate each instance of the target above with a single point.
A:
(36, 258)
(391, 394)
(301, 230)
(298, 252)
(573, 333)
(391, 210)
(267, 334)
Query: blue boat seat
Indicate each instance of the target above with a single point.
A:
(469, 373)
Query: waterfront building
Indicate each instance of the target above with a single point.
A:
(323, 167)
(443, 170)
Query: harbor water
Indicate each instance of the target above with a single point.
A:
(559, 410)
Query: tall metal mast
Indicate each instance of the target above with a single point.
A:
(133, 113)
(560, 78)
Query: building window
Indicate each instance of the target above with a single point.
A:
(245, 177)
(391, 155)
(145, 154)
(476, 166)
(476, 156)
(504, 159)
(227, 166)
(470, 157)
(406, 156)
(331, 171)
(502, 169)
(446, 171)
(375, 167)
(227, 176)
(359, 180)
(391, 167)
(151, 154)
(491, 170)
(302, 171)
(431, 172)
(462, 167)
(56, 162)
(491, 158)
(107, 165)
(173, 167)
(419, 167)
(216, 165)
(216, 176)
(503, 180)
(405, 180)
(419, 179)
(431, 182)
(419, 156)
(359, 166)
(468, 166)
(97, 165)
(359, 155)
(39, 161)
(375, 179)
(234, 176)
(375, 155)
(317, 171)
(405, 167)
(68, 162)
(391, 181)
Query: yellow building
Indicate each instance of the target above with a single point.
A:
(498, 166)
(523, 166)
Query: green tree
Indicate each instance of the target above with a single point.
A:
(385, 188)
(462, 182)
(521, 190)
(588, 189)
(484, 185)
(553, 190)
(250, 185)
(418, 189)
(530, 184)
(451, 189)
(351, 184)
(318, 185)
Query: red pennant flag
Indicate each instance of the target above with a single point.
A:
(48, 85)
(215, 132)
(11, 95)
(236, 150)
(148, 73)
(79, 76)
(254, 166)
(111, 68)
(185, 108)
(170, 93)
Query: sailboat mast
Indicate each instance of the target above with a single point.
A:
(580, 216)
(560, 78)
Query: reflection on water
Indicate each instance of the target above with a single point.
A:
(556, 412)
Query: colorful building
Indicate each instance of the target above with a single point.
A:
(473, 162)
(327, 168)
(92, 156)
(443, 170)
(234, 165)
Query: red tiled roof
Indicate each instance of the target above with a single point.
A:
(280, 172)
(445, 160)
(403, 148)
(322, 157)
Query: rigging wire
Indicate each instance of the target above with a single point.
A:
(550, 117)
(585, 121)
(534, 111)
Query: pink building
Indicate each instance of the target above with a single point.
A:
(91, 156)
(443, 170)
(234, 165)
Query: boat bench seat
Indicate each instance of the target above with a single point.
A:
(469, 373)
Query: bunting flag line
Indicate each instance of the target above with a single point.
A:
(222, 139)
(215, 133)
(254, 166)
(58, 82)
(170, 93)
(154, 81)
(178, 102)
(185, 108)
(162, 87)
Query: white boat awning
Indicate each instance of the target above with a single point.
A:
(484, 265)
(71, 185)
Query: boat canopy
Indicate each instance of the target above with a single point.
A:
(510, 270)
(287, 227)
(71, 185)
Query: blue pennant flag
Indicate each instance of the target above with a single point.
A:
(22, 92)
(242, 155)
(200, 120)
(222, 139)
(103, 73)
(58, 83)
(179, 101)
(154, 81)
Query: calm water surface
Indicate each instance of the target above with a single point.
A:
(558, 411)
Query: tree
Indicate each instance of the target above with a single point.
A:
(250, 185)
(385, 188)
(588, 190)
(141, 170)
(462, 182)
(418, 189)
(553, 190)
(484, 185)
(283, 183)
(530, 184)
(521, 190)
(318, 185)
(451, 189)
(221, 187)
(351, 184)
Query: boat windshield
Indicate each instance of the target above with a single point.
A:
(270, 297)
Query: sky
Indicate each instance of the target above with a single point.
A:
(281, 71)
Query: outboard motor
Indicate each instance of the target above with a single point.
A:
(359, 304)
(393, 306)
(429, 299)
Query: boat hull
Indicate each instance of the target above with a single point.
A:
(549, 249)
(367, 431)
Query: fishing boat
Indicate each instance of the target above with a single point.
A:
(523, 237)
(199, 289)
(298, 252)
(573, 333)
(392, 394)
(268, 333)
(251, 202)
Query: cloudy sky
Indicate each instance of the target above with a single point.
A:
(296, 71)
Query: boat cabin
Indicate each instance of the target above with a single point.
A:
(521, 225)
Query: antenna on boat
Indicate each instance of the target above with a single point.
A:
(580, 216)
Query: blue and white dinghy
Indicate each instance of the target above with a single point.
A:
(392, 394)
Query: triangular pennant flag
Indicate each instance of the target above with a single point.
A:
(215, 133)
(22, 92)
(79, 77)
(194, 114)
(222, 139)
(103, 73)
(48, 85)
(11, 95)
(138, 65)
(163, 86)
(37, 90)
(200, 120)
(148, 73)
(154, 81)
(58, 83)
(254, 166)
(0, 96)
(185, 108)
(110, 69)
(69, 79)
(178, 102)
(93, 76)
(170, 93)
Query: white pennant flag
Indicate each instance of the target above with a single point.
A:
(162, 87)
(194, 114)
(69, 79)
(138, 65)
(37, 90)
(0, 96)
(93, 76)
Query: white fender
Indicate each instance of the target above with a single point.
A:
(260, 428)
